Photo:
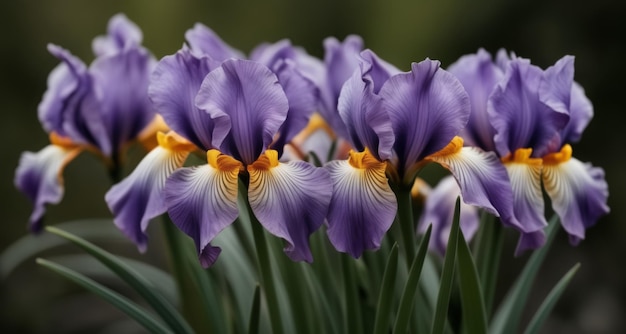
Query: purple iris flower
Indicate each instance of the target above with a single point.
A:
(238, 112)
(100, 108)
(398, 122)
(528, 116)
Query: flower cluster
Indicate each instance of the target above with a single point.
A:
(501, 128)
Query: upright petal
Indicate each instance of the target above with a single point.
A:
(525, 175)
(173, 88)
(249, 95)
(520, 119)
(427, 107)
(375, 70)
(439, 211)
(204, 42)
(362, 207)
(40, 177)
(578, 191)
(120, 84)
(140, 197)
(122, 34)
(202, 201)
(580, 114)
(290, 200)
(482, 179)
(363, 113)
(479, 75)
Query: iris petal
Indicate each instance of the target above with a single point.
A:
(40, 177)
(525, 175)
(439, 211)
(482, 179)
(139, 197)
(249, 95)
(203, 41)
(122, 34)
(290, 200)
(427, 107)
(173, 87)
(578, 191)
(202, 201)
(362, 207)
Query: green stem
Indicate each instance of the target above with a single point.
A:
(353, 321)
(406, 222)
(265, 268)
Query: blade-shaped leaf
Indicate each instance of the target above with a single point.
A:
(115, 299)
(383, 310)
(140, 284)
(507, 317)
(255, 312)
(489, 242)
(548, 304)
(472, 303)
(447, 275)
(408, 295)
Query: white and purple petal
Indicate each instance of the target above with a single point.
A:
(578, 192)
(482, 179)
(427, 107)
(519, 117)
(362, 207)
(40, 177)
(479, 75)
(439, 211)
(140, 196)
(249, 95)
(173, 88)
(202, 201)
(290, 200)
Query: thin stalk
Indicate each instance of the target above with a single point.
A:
(406, 222)
(353, 321)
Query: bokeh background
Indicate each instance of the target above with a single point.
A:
(33, 300)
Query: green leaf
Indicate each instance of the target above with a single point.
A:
(489, 242)
(408, 295)
(447, 275)
(115, 299)
(507, 317)
(472, 303)
(383, 310)
(143, 287)
(30, 245)
(255, 312)
(548, 304)
(352, 304)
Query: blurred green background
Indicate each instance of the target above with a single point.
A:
(398, 31)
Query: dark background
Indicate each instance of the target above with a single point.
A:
(398, 31)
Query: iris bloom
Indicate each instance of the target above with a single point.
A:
(529, 116)
(397, 122)
(235, 112)
(99, 108)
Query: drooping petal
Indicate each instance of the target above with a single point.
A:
(482, 179)
(290, 200)
(40, 177)
(439, 211)
(204, 42)
(120, 84)
(173, 88)
(362, 207)
(363, 113)
(520, 119)
(427, 107)
(122, 34)
(479, 75)
(316, 138)
(578, 191)
(249, 95)
(140, 197)
(525, 175)
(202, 201)
(530, 241)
